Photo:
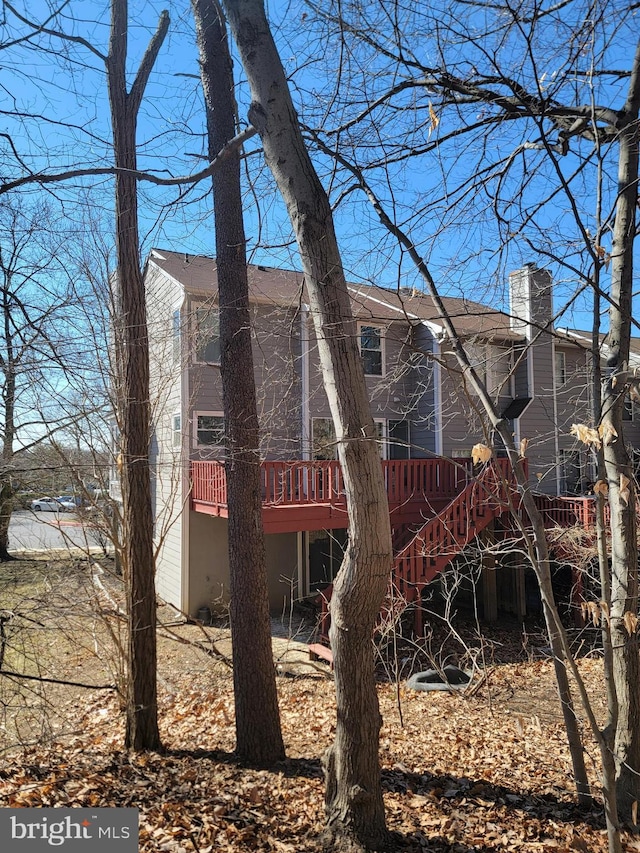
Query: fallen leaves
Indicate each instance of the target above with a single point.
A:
(489, 771)
(462, 773)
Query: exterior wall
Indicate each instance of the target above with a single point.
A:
(192, 563)
(464, 420)
(538, 423)
(278, 370)
(277, 367)
(422, 383)
(209, 565)
(532, 314)
(208, 562)
(403, 392)
(573, 395)
(282, 570)
(167, 460)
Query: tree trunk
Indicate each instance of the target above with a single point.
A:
(622, 502)
(539, 559)
(9, 412)
(258, 732)
(141, 700)
(6, 508)
(354, 806)
(538, 549)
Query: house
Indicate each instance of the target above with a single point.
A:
(427, 420)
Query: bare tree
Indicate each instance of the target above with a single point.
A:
(34, 295)
(258, 733)
(142, 719)
(353, 788)
(538, 137)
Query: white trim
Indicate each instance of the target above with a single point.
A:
(303, 567)
(167, 275)
(437, 400)
(184, 490)
(203, 414)
(433, 327)
(305, 414)
(383, 446)
(556, 354)
(172, 443)
(381, 329)
(554, 391)
(634, 358)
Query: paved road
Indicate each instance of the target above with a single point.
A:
(31, 531)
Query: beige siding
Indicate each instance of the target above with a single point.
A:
(208, 562)
(209, 565)
(167, 463)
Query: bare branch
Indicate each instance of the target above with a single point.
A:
(64, 36)
(196, 177)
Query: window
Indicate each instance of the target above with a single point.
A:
(176, 430)
(207, 335)
(209, 430)
(561, 368)
(175, 335)
(371, 350)
(398, 439)
(380, 427)
(323, 439)
(570, 472)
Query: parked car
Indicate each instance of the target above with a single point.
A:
(76, 500)
(61, 504)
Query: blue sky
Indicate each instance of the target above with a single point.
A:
(469, 252)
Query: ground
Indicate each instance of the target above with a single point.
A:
(482, 772)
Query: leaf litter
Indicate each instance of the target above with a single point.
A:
(486, 772)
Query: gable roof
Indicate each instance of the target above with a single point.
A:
(197, 275)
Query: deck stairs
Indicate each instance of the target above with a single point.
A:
(440, 539)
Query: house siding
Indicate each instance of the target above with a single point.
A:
(192, 563)
(209, 565)
(167, 461)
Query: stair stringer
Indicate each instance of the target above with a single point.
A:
(445, 535)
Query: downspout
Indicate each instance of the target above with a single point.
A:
(305, 425)
(554, 386)
(305, 436)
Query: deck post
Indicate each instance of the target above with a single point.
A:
(489, 584)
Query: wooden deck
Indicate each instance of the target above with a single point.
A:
(437, 507)
(309, 495)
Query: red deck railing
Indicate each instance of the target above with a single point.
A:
(567, 511)
(306, 482)
(445, 535)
